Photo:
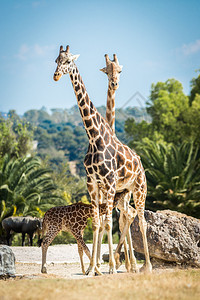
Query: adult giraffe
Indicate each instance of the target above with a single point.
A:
(110, 166)
(128, 213)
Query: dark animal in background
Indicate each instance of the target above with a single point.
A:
(23, 225)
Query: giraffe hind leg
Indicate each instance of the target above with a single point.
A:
(123, 229)
(143, 228)
(133, 262)
(49, 237)
(139, 196)
(108, 227)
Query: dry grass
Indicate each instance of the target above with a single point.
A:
(179, 284)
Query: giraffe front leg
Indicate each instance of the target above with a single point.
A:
(94, 193)
(100, 237)
(44, 259)
(101, 232)
(108, 227)
(92, 267)
(81, 247)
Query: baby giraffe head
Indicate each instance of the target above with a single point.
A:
(65, 63)
(113, 70)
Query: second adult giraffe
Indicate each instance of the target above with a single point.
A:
(128, 213)
(111, 166)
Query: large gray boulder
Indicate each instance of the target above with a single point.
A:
(172, 237)
(7, 262)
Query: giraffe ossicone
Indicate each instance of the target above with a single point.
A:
(111, 166)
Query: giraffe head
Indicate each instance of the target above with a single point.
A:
(113, 70)
(65, 63)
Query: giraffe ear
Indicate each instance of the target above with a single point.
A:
(104, 70)
(75, 57)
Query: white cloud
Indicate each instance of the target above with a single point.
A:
(24, 49)
(36, 4)
(27, 52)
(192, 48)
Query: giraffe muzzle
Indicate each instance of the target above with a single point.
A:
(57, 76)
(114, 85)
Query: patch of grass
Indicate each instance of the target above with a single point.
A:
(179, 284)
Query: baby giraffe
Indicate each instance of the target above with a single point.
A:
(73, 219)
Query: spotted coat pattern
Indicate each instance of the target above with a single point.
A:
(71, 218)
(110, 165)
(113, 70)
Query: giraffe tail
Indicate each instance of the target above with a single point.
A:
(39, 242)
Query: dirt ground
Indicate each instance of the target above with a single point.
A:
(64, 270)
(62, 262)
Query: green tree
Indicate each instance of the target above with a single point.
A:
(192, 121)
(26, 187)
(35, 117)
(137, 131)
(195, 88)
(173, 176)
(15, 140)
(167, 106)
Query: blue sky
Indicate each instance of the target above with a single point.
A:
(154, 41)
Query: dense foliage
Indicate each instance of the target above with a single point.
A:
(169, 146)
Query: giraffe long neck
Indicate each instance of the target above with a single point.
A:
(110, 109)
(90, 116)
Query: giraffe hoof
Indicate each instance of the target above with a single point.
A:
(117, 261)
(112, 270)
(90, 271)
(146, 269)
(134, 270)
(87, 272)
(97, 271)
(128, 269)
(44, 270)
(118, 264)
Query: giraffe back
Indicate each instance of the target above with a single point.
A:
(67, 217)
(70, 217)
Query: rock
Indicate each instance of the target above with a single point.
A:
(172, 237)
(7, 262)
(139, 256)
(105, 256)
